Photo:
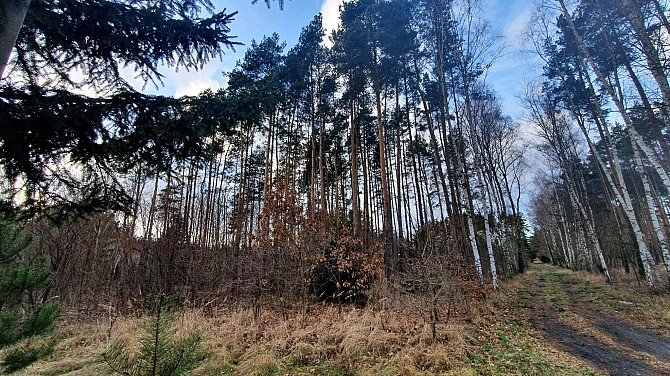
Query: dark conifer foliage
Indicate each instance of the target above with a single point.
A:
(96, 38)
(52, 130)
(22, 314)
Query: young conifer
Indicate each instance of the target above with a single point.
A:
(160, 353)
(18, 318)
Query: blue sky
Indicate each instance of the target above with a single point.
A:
(507, 17)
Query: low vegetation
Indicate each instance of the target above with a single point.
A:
(494, 336)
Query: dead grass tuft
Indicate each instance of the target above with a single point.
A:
(260, 363)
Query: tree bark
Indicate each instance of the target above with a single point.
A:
(651, 206)
(636, 20)
(12, 15)
(389, 259)
(353, 152)
(635, 136)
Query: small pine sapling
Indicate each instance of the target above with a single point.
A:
(19, 320)
(160, 353)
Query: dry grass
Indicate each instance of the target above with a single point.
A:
(382, 339)
(648, 307)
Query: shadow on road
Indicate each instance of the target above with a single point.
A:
(638, 352)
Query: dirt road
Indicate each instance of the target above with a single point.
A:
(578, 319)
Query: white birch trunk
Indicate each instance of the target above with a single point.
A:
(651, 155)
(475, 251)
(623, 197)
(583, 255)
(485, 212)
(487, 230)
(651, 205)
(591, 233)
(622, 194)
(636, 21)
(570, 253)
(635, 136)
(555, 244)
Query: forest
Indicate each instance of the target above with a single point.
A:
(371, 169)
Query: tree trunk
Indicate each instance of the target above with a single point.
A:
(487, 230)
(661, 15)
(647, 260)
(353, 152)
(636, 21)
(152, 210)
(312, 170)
(485, 209)
(398, 162)
(12, 14)
(366, 193)
(622, 195)
(635, 136)
(389, 259)
(431, 130)
(570, 252)
(322, 125)
(651, 206)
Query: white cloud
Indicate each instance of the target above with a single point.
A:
(177, 83)
(515, 30)
(330, 10)
(194, 82)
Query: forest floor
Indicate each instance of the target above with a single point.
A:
(549, 321)
(611, 328)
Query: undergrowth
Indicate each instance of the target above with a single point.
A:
(492, 337)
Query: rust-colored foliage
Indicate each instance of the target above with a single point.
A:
(280, 221)
(344, 268)
(300, 254)
(275, 263)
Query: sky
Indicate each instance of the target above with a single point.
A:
(508, 19)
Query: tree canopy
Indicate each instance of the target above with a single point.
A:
(67, 147)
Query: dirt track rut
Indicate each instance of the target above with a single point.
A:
(574, 320)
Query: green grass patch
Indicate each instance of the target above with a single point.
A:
(512, 351)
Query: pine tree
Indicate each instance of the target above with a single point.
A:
(47, 124)
(19, 282)
(160, 353)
